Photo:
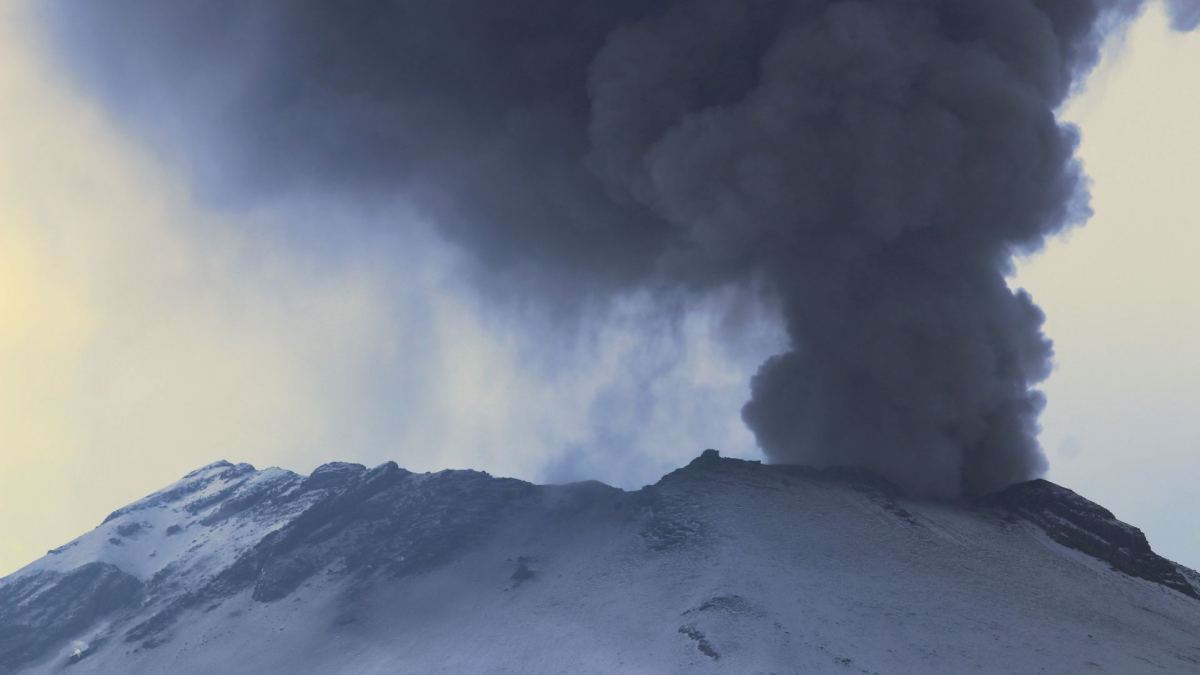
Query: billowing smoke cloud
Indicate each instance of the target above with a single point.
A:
(1185, 14)
(873, 164)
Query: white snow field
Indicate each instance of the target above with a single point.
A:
(724, 566)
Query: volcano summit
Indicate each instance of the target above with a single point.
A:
(721, 566)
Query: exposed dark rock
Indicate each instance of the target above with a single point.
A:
(333, 474)
(192, 483)
(726, 604)
(66, 605)
(383, 521)
(523, 572)
(368, 526)
(61, 549)
(218, 497)
(669, 521)
(130, 529)
(237, 500)
(1078, 523)
(702, 642)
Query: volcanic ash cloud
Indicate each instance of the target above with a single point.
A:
(873, 165)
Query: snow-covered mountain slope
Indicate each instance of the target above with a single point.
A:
(722, 566)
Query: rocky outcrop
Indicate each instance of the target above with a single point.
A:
(133, 584)
(1078, 523)
(41, 611)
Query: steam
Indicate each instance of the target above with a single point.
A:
(1185, 14)
(873, 165)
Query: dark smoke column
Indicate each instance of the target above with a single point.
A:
(890, 160)
(874, 164)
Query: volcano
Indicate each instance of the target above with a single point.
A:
(721, 566)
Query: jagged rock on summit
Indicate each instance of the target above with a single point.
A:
(723, 565)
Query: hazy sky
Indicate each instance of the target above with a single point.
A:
(143, 334)
(1121, 294)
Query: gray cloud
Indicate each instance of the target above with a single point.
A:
(1185, 14)
(873, 165)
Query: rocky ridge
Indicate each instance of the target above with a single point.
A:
(228, 534)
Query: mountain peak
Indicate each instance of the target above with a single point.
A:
(1083, 525)
(211, 466)
(723, 565)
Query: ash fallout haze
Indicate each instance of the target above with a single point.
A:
(560, 240)
(393, 244)
(867, 169)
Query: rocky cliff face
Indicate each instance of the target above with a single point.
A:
(42, 611)
(722, 566)
(1086, 526)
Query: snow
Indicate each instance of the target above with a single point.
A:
(723, 566)
(141, 539)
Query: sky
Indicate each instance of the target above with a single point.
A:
(145, 332)
(1120, 294)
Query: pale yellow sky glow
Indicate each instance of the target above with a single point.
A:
(1122, 294)
(122, 336)
(142, 335)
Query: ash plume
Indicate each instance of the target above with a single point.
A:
(1185, 14)
(874, 165)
